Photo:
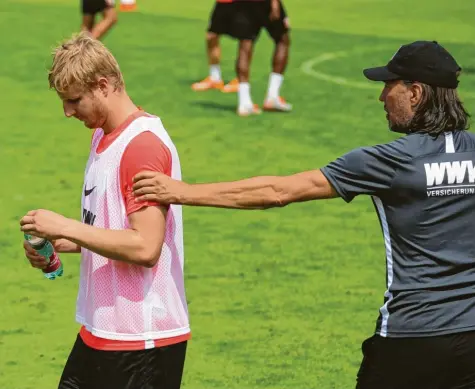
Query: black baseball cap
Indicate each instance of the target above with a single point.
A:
(423, 61)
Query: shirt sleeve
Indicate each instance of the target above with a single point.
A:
(145, 152)
(366, 170)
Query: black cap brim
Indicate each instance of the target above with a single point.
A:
(380, 74)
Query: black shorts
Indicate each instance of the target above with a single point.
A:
(157, 368)
(91, 7)
(244, 20)
(436, 362)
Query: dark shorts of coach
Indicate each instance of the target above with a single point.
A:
(243, 20)
(436, 362)
(92, 7)
(157, 368)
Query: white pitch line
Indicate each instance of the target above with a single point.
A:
(308, 68)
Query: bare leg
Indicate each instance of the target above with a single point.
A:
(281, 54)
(243, 61)
(243, 64)
(109, 19)
(87, 22)
(273, 101)
(213, 51)
(213, 48)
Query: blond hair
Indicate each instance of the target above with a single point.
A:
(79, 62)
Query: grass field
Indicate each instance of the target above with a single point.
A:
(278, 299)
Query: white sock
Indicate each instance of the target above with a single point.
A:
(275, 81)
(244, 94)
(215, 72)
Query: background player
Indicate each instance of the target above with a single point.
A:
(221, 22)
(90, 10)
(243, 20)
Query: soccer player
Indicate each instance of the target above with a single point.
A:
(423, 189)
(221, 22)
(90, 9)
(131, 302)
(243, 20)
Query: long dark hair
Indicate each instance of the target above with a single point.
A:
(439, 111)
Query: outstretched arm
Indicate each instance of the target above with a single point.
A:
(252, 193)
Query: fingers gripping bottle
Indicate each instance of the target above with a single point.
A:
(46, 249)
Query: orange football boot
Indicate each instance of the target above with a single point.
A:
(231, 87)
(249, 110)
(277, 105)
(128, 7)
(207, 84)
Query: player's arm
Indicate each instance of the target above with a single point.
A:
(66, 246)
(252, 193)
(141, 244)
(368, 170)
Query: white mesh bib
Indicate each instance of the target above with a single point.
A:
(117, 300)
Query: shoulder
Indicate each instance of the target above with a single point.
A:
(402, 149)
(147, 148)
(392, 154)
(154, 124)
(146, 140)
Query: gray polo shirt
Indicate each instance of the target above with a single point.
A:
(423, 189)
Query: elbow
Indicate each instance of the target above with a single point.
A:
(149, 262)
(280, 200)
(279, 194)
(273, 201)
(148, 258)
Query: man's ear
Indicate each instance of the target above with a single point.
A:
(103, 86)
(416, 93)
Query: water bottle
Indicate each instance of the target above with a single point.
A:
(46, 249)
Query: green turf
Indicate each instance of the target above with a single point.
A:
(278, 299)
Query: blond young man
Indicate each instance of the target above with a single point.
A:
(131, 302)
